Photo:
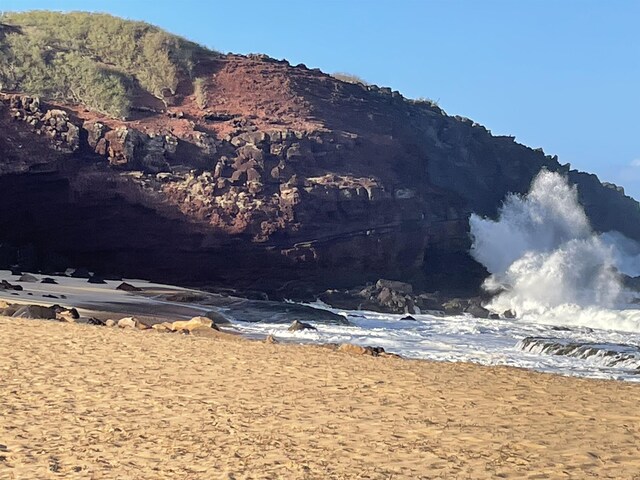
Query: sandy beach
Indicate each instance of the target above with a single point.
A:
(88, 402)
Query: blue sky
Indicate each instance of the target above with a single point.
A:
(558, 74)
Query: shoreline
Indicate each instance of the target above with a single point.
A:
(90, 402)
(431, 338)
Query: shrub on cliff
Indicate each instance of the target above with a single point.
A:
(200, 90)
(349, 78)
(95, 59)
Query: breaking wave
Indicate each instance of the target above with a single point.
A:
(548, 265)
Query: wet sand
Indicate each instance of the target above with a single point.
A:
(85, 402)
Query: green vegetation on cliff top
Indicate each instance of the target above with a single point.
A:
(98, 60)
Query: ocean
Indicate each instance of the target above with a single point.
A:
(566, 350)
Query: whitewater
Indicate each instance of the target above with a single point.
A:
(561, 279)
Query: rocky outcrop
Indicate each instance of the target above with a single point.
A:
(387, 296)
(282, 180)
(54, 124)
(392, 296)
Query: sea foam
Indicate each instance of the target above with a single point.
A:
(548, 265)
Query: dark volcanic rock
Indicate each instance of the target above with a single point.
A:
(81, 273)
(49, 280)
(360, 350)
(9, 310)
(392, 285)
(218, 318)
(385, 296)
(95, 321)
(27, 278)
(297, 326)
(4, 285)
(96, 279)
(35, 311)
(477, 310)
(278, 312)
(127, 287)
(455, 306)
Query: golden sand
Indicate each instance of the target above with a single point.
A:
(83, 402)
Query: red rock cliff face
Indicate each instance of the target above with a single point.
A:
(270, 176)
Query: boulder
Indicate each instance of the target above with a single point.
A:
(49, 281)
(81, 273)
(27, 278)
(96, 279)
(125, 146)
(218, 318)
(162, 327)
(360, 350)
(428, 301)
(127, 287)
(4, 285)
(455, 306)
(297, 326)
(96, 321)
(509, 314)
(95, 132)
(132, 322)
(408, 317)
(9, 310)
(394, 301)
(394, 285)
(110, 323)
(195, 322)
(35, 311)
(71, 312)
(65, 317)
(477, 311)
(385, 296)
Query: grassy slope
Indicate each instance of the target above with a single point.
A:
(95, 59)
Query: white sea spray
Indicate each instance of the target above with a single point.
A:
(549, 266)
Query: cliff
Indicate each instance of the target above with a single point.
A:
(256, 174)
